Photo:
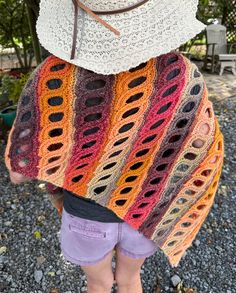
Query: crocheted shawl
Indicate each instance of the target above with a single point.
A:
(144, 143)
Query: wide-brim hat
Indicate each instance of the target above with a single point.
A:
(149, 30)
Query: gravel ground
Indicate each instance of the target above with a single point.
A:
(30, 258)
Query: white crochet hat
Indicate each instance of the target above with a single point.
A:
(119, 41)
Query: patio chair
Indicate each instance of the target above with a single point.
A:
(218, 52)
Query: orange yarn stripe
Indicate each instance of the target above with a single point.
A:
(122, 94)
(45, 140)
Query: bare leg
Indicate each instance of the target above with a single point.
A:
(100, 277)
(127, 273)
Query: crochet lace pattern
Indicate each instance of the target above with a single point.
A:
(154, 28)
(144, 143)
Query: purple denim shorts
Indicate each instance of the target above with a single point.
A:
(86, 242)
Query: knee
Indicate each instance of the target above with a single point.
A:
(122, 279)
(103, 284)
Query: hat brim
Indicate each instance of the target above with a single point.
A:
(150, 30)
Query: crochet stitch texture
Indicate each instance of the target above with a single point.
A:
(144, 143)
(147, 31)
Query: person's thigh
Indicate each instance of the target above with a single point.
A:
(100, 274)
(127, 268)
(86, 242)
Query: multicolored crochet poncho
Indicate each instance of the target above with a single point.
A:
(144, 143)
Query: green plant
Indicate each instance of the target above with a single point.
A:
(7, 86)
(18, 86)
(12, 87)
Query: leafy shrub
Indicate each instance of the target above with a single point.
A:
(11, 87)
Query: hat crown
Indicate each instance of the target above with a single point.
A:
(109, 5)
(153, 28)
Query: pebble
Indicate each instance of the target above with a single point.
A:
(38, 276)
(113, 264)
(3, 249)
(9, 278)
(3, 259)
(8, 223)
(175, 280)
(197, 242)
(40, 260)
(215, 206)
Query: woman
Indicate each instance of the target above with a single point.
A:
(123, 126)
